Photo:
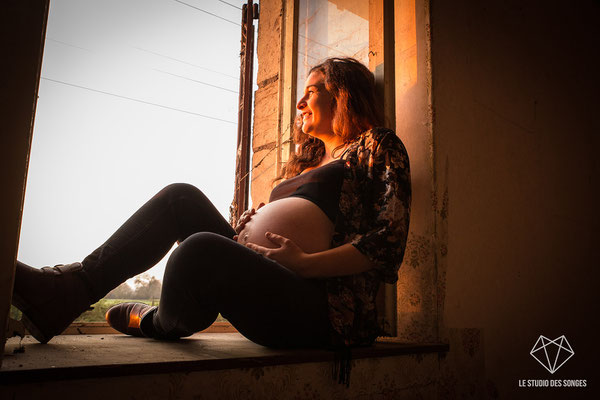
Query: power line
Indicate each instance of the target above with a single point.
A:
(193, 80)
(309, 56)
(68, 44)
(185, 62)
(138, 100)
(341, 53)
(206, 12)
(154, 53)
(229, 4)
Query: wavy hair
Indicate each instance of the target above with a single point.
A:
(356, 109)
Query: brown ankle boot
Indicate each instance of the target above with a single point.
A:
(50, 298)
(127, 318)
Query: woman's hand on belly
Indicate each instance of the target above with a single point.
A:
(287, 253)
(244, 219)
(294, 218)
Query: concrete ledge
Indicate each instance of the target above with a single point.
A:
(72, 357)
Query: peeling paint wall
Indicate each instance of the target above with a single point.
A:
(416, 287)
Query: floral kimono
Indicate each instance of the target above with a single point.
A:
(374, 216)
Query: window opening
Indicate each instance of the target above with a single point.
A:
(332, 28)
(132, 97)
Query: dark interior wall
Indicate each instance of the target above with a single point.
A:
(22, 28)
(516, 141)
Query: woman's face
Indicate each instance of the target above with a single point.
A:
(316, 106)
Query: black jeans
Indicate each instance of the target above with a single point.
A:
(210, 273)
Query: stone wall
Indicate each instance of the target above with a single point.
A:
(267, 100)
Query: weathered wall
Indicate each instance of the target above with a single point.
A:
(417, 279)
(22, 29)
(515, 144)
(421, 280)
(494, 103)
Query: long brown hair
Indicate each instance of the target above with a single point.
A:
(356, 108)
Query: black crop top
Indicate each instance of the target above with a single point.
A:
(321, 186)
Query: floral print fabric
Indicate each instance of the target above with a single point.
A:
(374, 216)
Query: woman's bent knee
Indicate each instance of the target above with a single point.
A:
(202, 248)
(206, 243)
(180, 189)
(201, 264)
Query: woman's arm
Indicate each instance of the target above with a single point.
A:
(339, 261)
(385, 204)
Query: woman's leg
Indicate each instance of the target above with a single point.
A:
(266, 302)
(51, 298)
(172, 215)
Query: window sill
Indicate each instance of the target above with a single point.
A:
(99, 356)
(102, 328)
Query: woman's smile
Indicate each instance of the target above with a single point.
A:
(316, 106)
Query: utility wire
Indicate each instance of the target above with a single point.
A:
(206, 12)
(68, 44)
(193, 80)
(138, 101)
(154, 53)
(340, 53)
(185, 62)
(229, 4)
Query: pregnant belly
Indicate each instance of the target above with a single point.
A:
(294, 218)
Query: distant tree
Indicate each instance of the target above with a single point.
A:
(123, 291)
(147, 287)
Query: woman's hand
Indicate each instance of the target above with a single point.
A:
(244, 218)
(338, 261)
(288, 254)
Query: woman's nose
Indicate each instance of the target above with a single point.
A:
(301, 104)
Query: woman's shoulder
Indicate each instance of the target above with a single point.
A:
(380, 132)
(379, 138)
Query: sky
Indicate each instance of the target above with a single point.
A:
(134, 95)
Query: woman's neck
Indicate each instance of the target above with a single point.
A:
(332, 142)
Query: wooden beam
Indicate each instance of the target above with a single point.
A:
(242, 168)
(287, 82)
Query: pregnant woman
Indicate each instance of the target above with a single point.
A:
(302, 271)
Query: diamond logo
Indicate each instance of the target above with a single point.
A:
(552, 354)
